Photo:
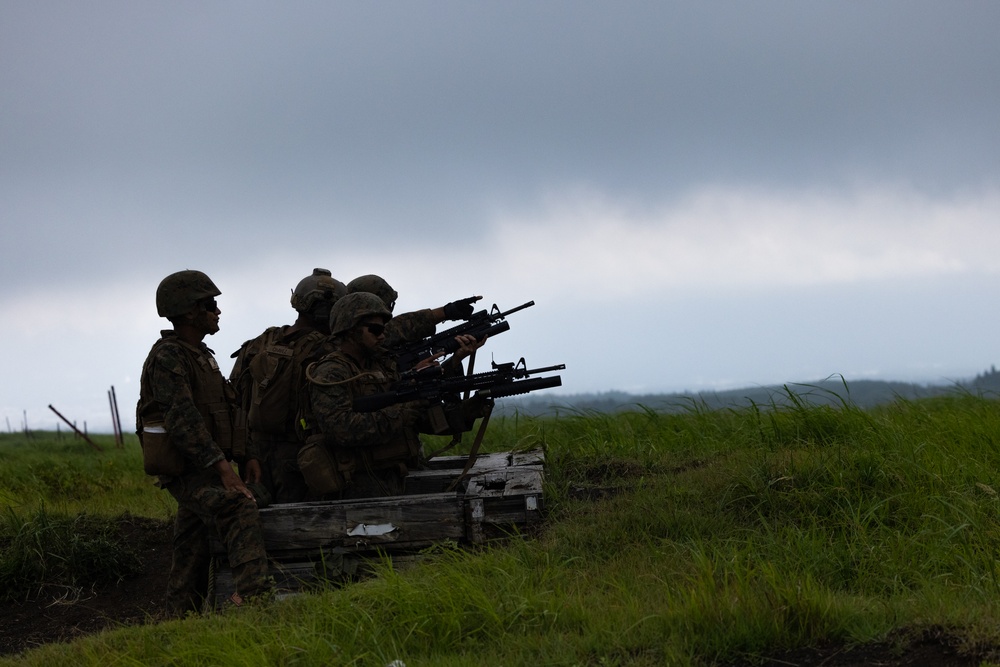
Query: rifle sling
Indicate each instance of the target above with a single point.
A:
(475, 448)
(455, 439)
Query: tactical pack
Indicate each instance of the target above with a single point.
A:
(269, 377)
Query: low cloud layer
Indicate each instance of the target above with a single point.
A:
(680, 279)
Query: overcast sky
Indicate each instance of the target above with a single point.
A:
(697, 195)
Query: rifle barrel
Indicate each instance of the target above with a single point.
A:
(515, 309)
(546, 369)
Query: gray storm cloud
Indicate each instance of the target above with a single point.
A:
(156, 121)
(563, 148)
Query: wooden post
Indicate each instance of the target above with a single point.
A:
(117, 418)
(114, 417)
(82, 435)
(111, 406)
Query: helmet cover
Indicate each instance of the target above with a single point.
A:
(374, 285)
(354, 308)
(320, 286)
(180, 292)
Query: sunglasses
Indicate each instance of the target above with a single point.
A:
(210, 305)
(374, 328)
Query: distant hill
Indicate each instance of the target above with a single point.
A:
(830, 391)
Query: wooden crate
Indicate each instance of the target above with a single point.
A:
(313, 542)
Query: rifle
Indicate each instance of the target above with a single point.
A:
(480, 324)
(429, 384)
(446, 414)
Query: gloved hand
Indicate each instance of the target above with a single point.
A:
(475, 407)
(461, 309)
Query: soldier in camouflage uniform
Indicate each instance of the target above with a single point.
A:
(416, 325)
(268, 376)
(373, 451)
(184, 421)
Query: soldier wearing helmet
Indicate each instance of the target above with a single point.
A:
(184, 419)
(314, 296)
(180, 292)
(369, 453)
(268, 376)
(413, 326)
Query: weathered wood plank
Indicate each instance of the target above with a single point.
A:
(534, 457)
(430, 481)
(442, 471)
(494, 460)
(361, 525)
(512, 482)
(358, 525)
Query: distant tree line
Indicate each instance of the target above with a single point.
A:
(831, 391)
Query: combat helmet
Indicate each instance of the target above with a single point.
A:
(354, 308)
(374, 285)
(320, 286)
(180, 292)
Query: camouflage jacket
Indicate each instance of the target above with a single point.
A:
(335, 381)
(182, 387)
(409, 328)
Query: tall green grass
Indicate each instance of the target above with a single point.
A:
(65, 475)
(60, 556)
(691, 539)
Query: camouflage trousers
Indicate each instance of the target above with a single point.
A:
(206, 509)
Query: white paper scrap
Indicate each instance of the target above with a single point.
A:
(370, 530)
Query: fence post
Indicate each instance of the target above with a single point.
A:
(120, 437)
(71, 425)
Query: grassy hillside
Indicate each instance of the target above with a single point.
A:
(63, 474)
(705, 537)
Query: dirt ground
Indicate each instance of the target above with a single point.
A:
(139, 599)
(135, 600)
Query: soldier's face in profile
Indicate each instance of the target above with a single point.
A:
(206, 316)
(372, 333)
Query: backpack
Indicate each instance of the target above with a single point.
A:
(269, 377)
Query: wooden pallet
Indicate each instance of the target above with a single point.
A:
(333, 540)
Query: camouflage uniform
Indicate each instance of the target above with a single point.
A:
(373, 450)
(269, 377)
(409, 328)
(182, 388)
(278, 444)
(369, 453)
(381, 445)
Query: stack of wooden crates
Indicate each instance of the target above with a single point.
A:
(309, 543)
